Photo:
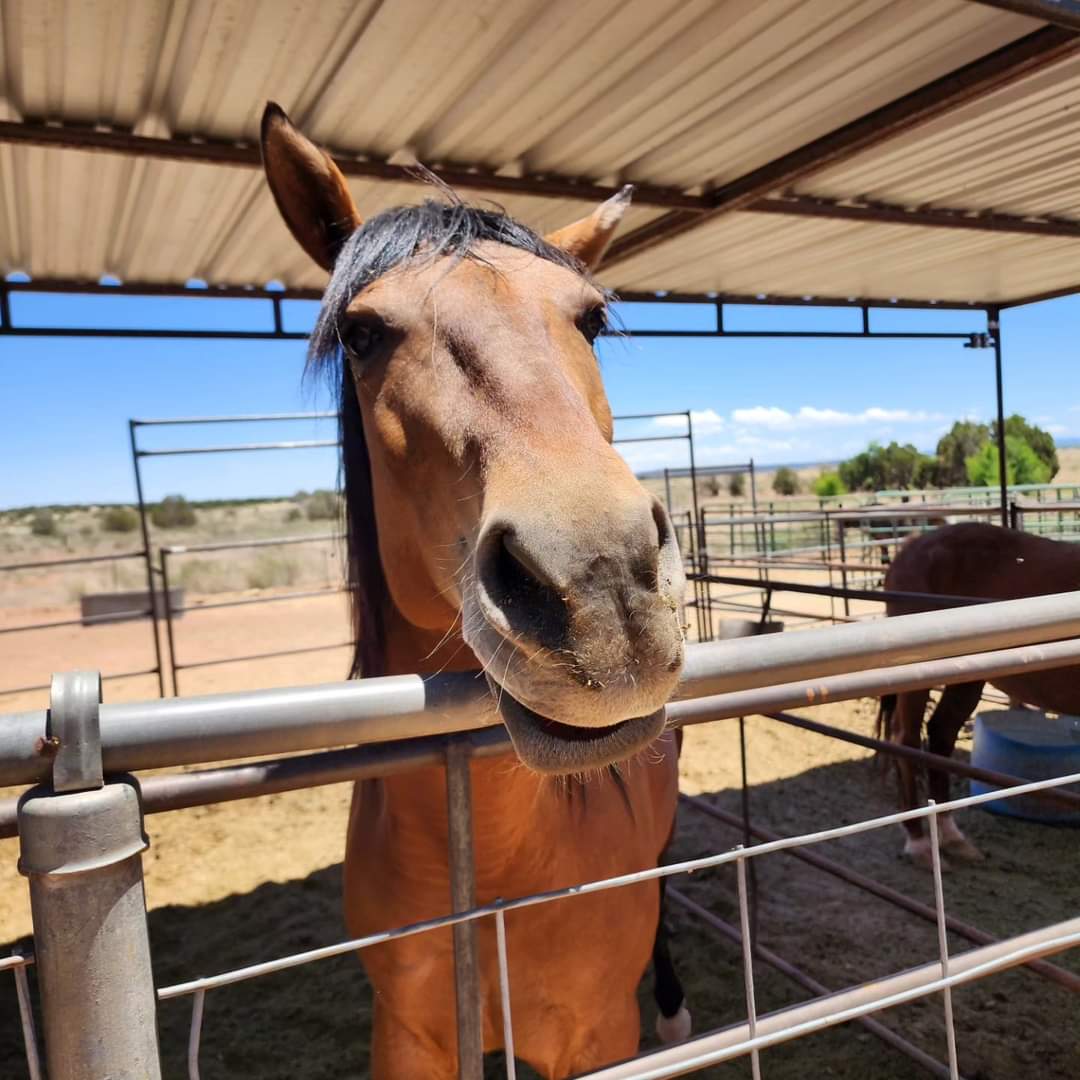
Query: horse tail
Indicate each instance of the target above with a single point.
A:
(886, 708)
(673, 1022)
(883, 728)
(673, 1017)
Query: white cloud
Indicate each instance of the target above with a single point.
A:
(808, 416)
(1054, 429)
(703, 419)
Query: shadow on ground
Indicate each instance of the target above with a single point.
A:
(313, 1022)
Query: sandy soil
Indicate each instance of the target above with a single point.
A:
(233, 884)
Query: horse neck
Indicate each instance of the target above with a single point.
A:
(506, 797)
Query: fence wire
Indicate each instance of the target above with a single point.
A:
(758, 1033)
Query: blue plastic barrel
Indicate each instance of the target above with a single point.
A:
(1029, 744)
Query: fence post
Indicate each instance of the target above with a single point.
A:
(81, 842)
(463, 897)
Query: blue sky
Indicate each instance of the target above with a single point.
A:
(66, 401)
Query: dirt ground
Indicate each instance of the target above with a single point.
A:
(237, 883)
(233, 884)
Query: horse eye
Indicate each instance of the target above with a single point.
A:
(593, 324)
(360, 337)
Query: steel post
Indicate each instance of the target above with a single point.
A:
(81, 844)
(463, 898)
(993, 316)
(173, 668)
(147, 555)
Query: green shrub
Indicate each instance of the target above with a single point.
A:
(709, 485)
(323, 506)
(879, 467)
(963, 440)
(43, 524)
(829, 483)
(1041, 443)
(736, 484)
(1022, 464)
(119, 519)
(270, 570)
(294, 514)
(785, 481)
(173, 512)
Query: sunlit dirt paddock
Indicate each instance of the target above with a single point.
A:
(232, 884)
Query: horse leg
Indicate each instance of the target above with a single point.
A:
(612, 1033)
(673, 1023)
(400, 1052)
(906, 730)
(956, 705)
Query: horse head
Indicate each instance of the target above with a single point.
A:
(478, 457)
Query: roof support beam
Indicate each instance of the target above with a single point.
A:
(238, 155)
(927, 217)
(1035, 298)
(1058, 12)
(239, 292)
(1006, 65)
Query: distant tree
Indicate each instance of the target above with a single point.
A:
(173, 512)
(709, 485)
(882, 467)
(829, 483)
(119, 519)
(43, 523)
(736, 485)
(785, 481)
(1022, 464)
(962, 441)
(323, 506)
(1040, 441)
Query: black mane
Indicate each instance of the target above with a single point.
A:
(390, 239)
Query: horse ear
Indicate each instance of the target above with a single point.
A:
(588, 239)
(309, 189)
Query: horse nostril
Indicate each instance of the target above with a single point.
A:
(516, 583)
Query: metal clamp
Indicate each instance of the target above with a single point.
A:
(73, 729)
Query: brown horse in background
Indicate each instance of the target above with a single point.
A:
(491, 523)
(975, 560)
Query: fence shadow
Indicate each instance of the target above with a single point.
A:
(313, 1022)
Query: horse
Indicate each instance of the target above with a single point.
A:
(490, 523)
(980, 561)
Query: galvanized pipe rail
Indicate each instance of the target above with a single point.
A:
(179, 791)
(187, 731)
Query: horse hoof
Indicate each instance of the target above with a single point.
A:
(964, 851)
(920, 855)
(673, 1029)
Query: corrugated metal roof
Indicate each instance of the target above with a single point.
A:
(751, 254)
(1014, 151)
(682, 93)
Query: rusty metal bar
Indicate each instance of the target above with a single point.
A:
(774, 960)
(1062, 797)
(884, 892)
(247, 156)
(470, 1034)
(997, 69)
(925, 217)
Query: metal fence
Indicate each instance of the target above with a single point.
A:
(84, 620)
(81, 834)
